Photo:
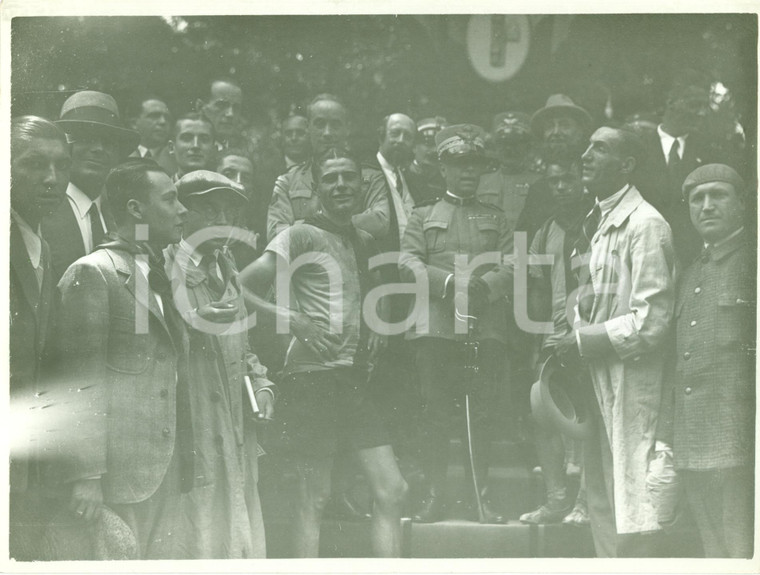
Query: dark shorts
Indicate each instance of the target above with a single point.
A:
(322, 412)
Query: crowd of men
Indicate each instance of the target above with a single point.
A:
(169, 305)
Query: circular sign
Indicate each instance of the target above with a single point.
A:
(498, 45)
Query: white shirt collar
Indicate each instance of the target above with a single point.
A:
(385, 164)
(32, 239)
(607, 204)
(80, 200)
(193, 255)
(666, 141)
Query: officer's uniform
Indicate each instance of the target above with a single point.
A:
(437, 234)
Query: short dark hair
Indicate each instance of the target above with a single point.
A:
(134, 106)
(233, 152)
(26, 128)
(564, 162)
(324, 98)
(195, 117)
(129, 181)
(334, 154)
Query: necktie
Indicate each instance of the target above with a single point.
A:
(673, 157)
(403, 193)
(96, 225)
(583, 245)
(147, 154)
(213, 274)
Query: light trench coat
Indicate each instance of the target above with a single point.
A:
(632, 272)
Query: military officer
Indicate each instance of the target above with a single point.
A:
(440, 237)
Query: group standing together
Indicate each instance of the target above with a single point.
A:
(163, 320)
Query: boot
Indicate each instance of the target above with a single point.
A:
(431, 509)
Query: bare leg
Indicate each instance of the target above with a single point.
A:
(313, 494)
(389, 490)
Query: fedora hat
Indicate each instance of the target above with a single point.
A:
(556, 105)
(554, 405)
(96, 111)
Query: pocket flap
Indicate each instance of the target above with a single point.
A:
(435, 224)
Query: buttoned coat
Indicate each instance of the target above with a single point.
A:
(632, 271)
(118, 368)
(295, 198)
(709, 405)
(224, 508)
(437, 235)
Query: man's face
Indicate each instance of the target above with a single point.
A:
(563, 135)
(425, 152)
(340, 187)
(93, 155)
(688, 109)
(193, 145)
(162, 211)
(716, 210)
(153, 124)
(39, 176)
(328, 127)
(603, 162)
(398, 144)
(462, 173)
(216, 208)
(565, 184)
(512, 151)
(224, 109)
(295, 138)
(238, 169)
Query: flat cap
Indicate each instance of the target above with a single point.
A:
(712, 173)
(461, 140)
(202, 182)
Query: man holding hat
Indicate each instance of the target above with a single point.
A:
(562, 128)
(439, 235)
(122, 371)
(623, 314)
(99, 141)
(424, 175)
(708, 414)
(221, 516)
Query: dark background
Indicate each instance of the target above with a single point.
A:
(620, 64)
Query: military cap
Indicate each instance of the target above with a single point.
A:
(460, 140)
(713, 173)
(510, 125)
(202, 182)
(429, 127)
(559, 105)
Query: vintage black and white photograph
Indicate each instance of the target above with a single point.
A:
(373, 285)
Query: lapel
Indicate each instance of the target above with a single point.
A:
(48, 292)
(622, 211)
(124, 263)
(22, 266)
(63, 230)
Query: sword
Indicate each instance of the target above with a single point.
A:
(471, 368)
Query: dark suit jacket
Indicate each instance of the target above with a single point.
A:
(62, 231)
(663, 191)
(30, 310)
(120, 368)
